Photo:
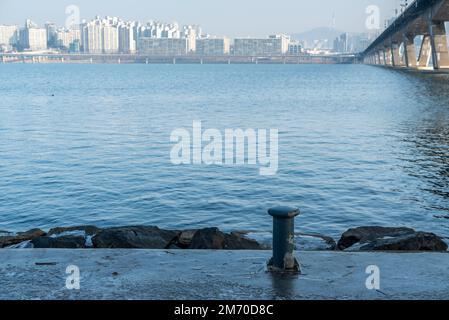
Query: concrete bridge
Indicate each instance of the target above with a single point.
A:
(397, 45)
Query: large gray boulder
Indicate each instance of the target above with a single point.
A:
(213, 238)
(185, 239)
(63, 242)
(367, 234)
(419, 241)
(374, 238)
(137, 237)
(13, 239)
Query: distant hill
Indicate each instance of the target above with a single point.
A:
(321, 34)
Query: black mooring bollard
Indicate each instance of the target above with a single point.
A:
(283, 240)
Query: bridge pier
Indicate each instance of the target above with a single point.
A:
(438, 42)
(379, 58)
(384, 56)
(392, 62)
(424, 52)
(389, 56)
(400, 59)
(396, 58)
(409, 51)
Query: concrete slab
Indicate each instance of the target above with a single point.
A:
(191, 275)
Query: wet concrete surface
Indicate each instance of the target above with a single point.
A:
(206, 274)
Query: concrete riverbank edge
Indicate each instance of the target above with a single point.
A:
(208, 274)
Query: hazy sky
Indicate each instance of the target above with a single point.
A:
(218, 17)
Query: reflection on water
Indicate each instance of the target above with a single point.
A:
(429, 140)
(432, 145)
(89, 144)
(283, 285)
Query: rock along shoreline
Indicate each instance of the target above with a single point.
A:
(369, 238)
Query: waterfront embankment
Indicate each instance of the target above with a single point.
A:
(368, 238)
(33, 57)
(210, 274)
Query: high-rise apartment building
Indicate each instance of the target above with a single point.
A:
(92, 37)
(294, 48)
(51, 34)
(109, 35)
(110, 42)
(271, 46)
(33, 38)
(126, 36)
(163, 46)
(213, 46)
(9, 36)
(191, 34)
(341, 44)
(65, 38)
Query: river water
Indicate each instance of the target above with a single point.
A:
(90, 144)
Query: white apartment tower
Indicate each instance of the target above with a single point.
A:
(92, 37)
(127, 41)
(32, 37)
(213, 46)
(110, 39)
(8, 36)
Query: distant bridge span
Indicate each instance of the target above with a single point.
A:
(395, 47)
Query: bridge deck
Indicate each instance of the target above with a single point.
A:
(413, 20)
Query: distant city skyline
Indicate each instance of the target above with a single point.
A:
(230, 18)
